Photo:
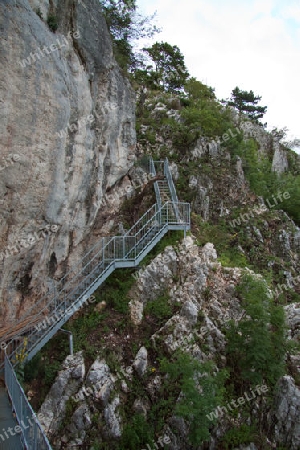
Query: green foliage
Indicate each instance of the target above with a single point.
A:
(266, 183)
(88, 321)
(257, 168)
(32, 368)
(244, 434)
(116, 289)
(233, 258)
(44, 368)
(50, 373)
(256, 345)
(126, 26)
(136, 433)
(246, 102)
(202, 388)
(70, 408)
(52, 22)
(169, 68)
(203, 116)
(224, 241)
(290, 183)
(171, 238)
(200, 114)
(183, 135)
(198, 91)
(159, 308)
(71, 405)
(20, 372)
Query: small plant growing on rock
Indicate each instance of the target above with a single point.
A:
(52, 22)
(39, 13)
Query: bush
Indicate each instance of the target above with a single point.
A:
(237, 436)
(52, 22)
(159, 308)
(256, 346)
(202, 388)
(136, 433)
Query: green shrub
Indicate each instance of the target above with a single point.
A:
(256, 346)
(32, 368)
(267, 183)
(52, 22)
(159, 308)
(136, 433)
(244, 434)
(186, 375)
(116, 290)
(51, 370)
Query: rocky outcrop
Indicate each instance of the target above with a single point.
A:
(140, 363)
(100, 382)
(202, 299)
(185, 274)
(267, 144)
(280, 161)
(73, 400)
(67, 136)
(287, 414)
(69, 380)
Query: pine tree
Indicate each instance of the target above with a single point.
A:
(246, 102)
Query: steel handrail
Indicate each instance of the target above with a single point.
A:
(30, 330)
(33, 434)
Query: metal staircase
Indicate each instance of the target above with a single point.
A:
(74, 289)
(32, 332)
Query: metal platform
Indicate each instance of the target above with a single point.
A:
(9, 440)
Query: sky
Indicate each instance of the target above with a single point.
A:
(252, 44)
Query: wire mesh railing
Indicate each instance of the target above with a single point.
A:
(126, 248)
(74, 276)
(34, 436)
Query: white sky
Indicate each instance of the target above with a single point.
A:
(252, 44)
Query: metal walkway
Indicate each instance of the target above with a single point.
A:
(47, 316)
(8, 440)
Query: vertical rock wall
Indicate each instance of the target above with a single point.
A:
(67, 132)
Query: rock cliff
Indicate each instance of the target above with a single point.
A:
(68, 149)
(67, 136)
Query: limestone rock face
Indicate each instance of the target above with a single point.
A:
(287, 414)
(67, 384)
(266, 143)
(280, 162)
(85, 396)
(140, 363)
(100, 381)
(67, 135)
